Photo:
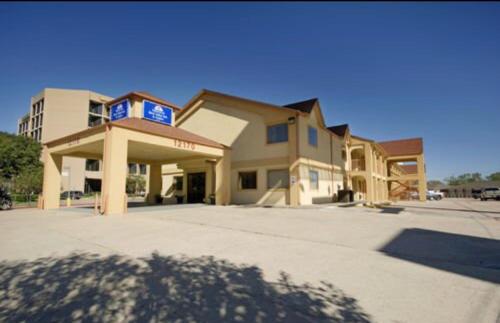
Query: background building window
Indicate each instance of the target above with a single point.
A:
(313, 179)
(247, 180)
(142, 169)
(277, 178)
(178, 183)
(92, 165)
(277, 133)
(95, 107)
(312, 136)
(132, 168)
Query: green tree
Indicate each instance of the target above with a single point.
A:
(464, 179)
(17, 153)
(29, 181)
(135, 184)
(493, 177)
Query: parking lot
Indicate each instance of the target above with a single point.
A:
(437, 261)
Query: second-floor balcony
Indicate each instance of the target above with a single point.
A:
(358, 164)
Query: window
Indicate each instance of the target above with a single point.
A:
(277, 133)
(132, 168)
(94, 120)
(95, 107)
(178, 183)
(344, 155)
(313, 180)
(277, 178)
(142, 169)
(312, 136)
(247, 180)
(92, 165)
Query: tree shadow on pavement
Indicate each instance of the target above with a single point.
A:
(391, 209)
(90, 288)
(469, 256)
(449, 209)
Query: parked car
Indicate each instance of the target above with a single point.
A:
(434, 195)
(5, 200)
(490, 193)
(74, 195)
(476, 193)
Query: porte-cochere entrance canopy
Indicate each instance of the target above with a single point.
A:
(133, 140)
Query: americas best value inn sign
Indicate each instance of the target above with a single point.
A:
(151, 111)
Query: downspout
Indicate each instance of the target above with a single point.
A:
(297, 137)
(297, 149)
(331, 164)
(104, 198)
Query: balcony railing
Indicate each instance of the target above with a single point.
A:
(358, 164)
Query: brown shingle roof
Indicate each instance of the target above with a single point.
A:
(145, 126)
(203, 92)
(409, 169)
(339, 130)
(304, 106)
(143, 95)
(412, 146)
(158, 129)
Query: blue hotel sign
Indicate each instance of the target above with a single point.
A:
(120, 110)
(156, 112)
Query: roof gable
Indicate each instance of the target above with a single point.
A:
(303, 106)
(340, 130)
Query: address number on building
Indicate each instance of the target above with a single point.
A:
(184, 144)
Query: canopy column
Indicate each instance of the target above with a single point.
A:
(114, 198)
(155, 183)
(223, 179)
(51, 180)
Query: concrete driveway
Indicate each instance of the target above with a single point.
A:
(412, 262)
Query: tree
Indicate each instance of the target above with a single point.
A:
(493, 177)
(433, 184)
(17, 153)
(29, 181)
(464, 179)
(135, 184)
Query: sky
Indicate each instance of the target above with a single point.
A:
(389, 70)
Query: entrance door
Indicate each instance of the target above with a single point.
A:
(196, 187)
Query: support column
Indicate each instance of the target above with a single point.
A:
(422, 180)
(51, 180)
(113, 198)
(209, 181)
(294, 166)
(155, 183)
(370, 191)
(223, 179)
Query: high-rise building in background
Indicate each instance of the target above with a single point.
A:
(55, 113)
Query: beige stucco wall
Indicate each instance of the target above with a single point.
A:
(260, 195)
(243, 127)
(322, 152)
